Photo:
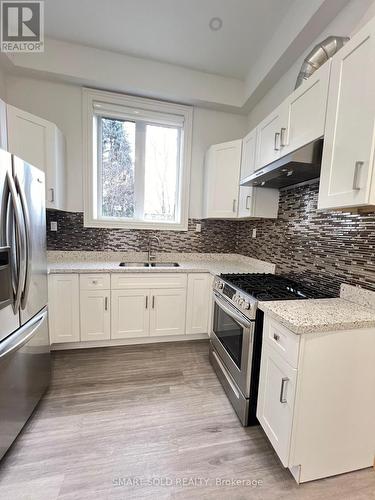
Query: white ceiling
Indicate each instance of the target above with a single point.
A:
(173, 31)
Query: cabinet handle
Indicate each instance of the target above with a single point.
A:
(282, 137)
(106, 303)
(146, 301)
(357, 167)
(276, 337)
(234, 205)
(247, 202)
(153, 301)
(52, 200)
(277, 137)
(283, 383)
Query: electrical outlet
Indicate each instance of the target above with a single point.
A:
(198, 228)
(254, 235)
(53, 226)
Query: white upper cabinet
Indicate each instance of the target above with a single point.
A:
(348, 153)
(248, 154)
(222, 178)
(268, 143)
(306, 112)
(40, 143)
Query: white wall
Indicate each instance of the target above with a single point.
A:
(61, 104)
(350, 19)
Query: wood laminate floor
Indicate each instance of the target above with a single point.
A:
(117, 422)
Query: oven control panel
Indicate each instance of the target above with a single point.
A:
(239, 300)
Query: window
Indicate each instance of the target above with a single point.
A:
(137, 162)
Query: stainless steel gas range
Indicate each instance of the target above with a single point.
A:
(236, 336)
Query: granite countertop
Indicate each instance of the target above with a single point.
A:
(354, 309)
(108, 262)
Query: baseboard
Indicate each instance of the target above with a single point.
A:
(134, 341)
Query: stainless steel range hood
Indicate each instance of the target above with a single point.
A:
(299, 166)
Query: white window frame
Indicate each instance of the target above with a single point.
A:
(92, 100)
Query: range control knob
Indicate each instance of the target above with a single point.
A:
(219, 285)
(240, 301)
(246, 305)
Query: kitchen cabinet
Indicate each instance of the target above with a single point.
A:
(104, 307)
(224, 198)
(319, 421)
(63, 305)
(306, 111)
(40, 143)
(347, 174)
(276, 400)
(167, 312)
(268, 142)
(130, 313)
(95, 314)
(222, 175)
(198, 307)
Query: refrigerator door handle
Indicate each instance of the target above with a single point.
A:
(21, 236)
(26, 218)
(12, 344)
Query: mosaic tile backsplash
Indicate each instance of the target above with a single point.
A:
(316, 247)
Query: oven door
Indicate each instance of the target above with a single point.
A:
(232, 337)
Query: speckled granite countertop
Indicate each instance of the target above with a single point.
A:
(355, 308)
(108, 262)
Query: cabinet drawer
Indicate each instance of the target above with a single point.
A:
(286, 343)
(95, 282)
(146, 280)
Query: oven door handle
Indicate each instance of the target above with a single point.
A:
(231, 312)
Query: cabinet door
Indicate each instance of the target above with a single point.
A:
(95, 315)
(167, 313)
(248, 154)
(348, 153)
(63, 304)
(246, 201)
(306, 111)
(268, 138)
(276, 400)
(40, 143)
(222, 180)
(130, 313)
(198, 307)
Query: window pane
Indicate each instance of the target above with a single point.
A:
(117, 168)
(161, 172)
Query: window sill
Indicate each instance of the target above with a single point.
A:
(140, 225)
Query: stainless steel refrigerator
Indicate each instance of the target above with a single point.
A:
(24, 338)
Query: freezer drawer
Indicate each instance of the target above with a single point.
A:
(24, 376)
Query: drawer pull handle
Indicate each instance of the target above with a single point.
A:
(153, 301)
(94, 282)
(276, 337)
(146, 301)
(283, 384)
(106, 304)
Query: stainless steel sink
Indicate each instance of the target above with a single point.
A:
(164, 264)
(152, 264)
(134, 264)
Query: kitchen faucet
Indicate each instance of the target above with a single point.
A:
(151, 256)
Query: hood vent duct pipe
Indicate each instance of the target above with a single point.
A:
(319, 55)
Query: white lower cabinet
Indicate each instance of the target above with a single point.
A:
(95, 315)
(276, 400)
(130, 313)
(316, 399)
(63, 306)
(167, 313)
(198, 306)
(103, 306)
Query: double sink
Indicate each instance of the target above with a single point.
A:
(150, 264)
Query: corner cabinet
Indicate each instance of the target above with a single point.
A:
(40, 143)
(319, 421)
(224, 198)
(222, 176)
(347, 175)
